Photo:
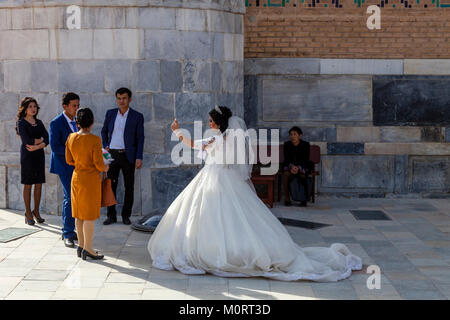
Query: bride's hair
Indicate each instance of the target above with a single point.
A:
(220, 115)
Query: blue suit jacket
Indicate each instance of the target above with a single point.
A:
(133, 135)
(59, 131)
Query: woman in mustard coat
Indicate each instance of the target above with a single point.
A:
(84, 151)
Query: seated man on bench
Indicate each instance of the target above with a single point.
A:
(296, 164)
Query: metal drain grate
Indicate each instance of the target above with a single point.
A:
(303, 224)
(369, 215)
(10, 234)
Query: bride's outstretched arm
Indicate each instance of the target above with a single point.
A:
(175, 128)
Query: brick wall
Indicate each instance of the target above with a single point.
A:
(330, 32)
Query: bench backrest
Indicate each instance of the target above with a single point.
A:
(314, 152)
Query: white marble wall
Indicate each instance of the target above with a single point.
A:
(176, 56)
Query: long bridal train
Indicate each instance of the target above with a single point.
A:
(218, 225)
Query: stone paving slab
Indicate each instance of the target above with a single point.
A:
(412, 250)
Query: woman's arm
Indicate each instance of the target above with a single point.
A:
(39, 143)
(35, 147)
(27, 140)
(197, 144)
(176, 129)
(69, 157)
(23, 133)
(45, 138)
(97, 157)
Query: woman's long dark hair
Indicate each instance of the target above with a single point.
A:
(221, 117)
(24, 104)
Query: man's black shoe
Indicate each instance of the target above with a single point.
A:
(302, 204)
(69, 243)
(109, 221)
(287, 203)
(126, 221)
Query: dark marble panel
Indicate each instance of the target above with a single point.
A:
(432, 134)
(411, 100)
(409, 77)
(167, 184)
(401, 174)
(430, 174)
(345, 148)
(251, 101)
(356, 174)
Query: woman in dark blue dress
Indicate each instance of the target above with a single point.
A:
(32, 158)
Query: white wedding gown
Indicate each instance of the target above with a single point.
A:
(218, 225)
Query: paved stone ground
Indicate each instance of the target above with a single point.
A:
(412, 250)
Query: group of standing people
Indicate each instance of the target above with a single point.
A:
(216, 225)
(77, 159)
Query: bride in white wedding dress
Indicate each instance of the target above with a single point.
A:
(218, 225)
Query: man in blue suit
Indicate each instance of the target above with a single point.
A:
(60, 128)
(123, 137)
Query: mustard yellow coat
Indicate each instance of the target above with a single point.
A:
(85, 153)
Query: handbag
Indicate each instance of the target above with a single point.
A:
(108, 198)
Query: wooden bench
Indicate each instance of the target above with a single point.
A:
(266, 180)
(269, 180)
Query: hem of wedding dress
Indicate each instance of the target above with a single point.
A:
(271, 275)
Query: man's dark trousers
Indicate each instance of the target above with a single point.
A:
(121, 163)
(288, 177)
